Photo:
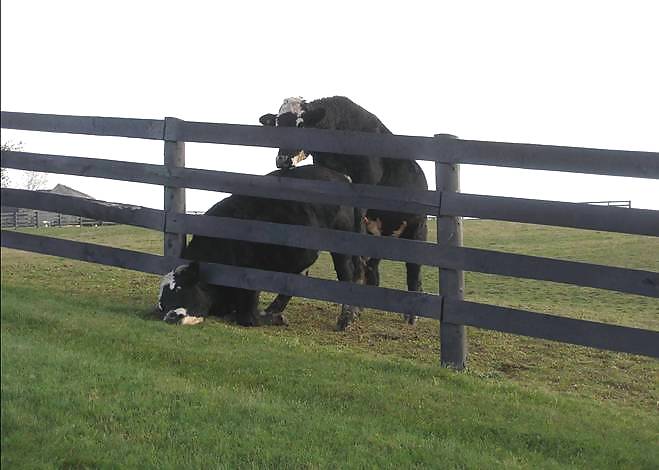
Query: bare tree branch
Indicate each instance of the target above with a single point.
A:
(8, 146)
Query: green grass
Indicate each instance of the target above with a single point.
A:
(91, 379)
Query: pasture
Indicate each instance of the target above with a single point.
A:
(91, 379)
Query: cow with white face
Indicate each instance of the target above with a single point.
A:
(292, 114)
(186, 300)
(340, 113)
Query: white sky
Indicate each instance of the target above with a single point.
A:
(563, 73)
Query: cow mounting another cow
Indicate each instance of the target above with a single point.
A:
(340, 113)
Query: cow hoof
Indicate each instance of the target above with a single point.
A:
(342, 324)
(266, 319)
(348, 316)
(410, 319)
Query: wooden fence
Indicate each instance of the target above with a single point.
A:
(36, 219)
(446, 203)
(627, 204)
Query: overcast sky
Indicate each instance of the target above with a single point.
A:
(562, 73)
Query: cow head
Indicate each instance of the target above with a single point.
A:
(293, 113)
(182, 298)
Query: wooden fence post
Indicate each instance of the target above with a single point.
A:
(453, 339)
(174, 197)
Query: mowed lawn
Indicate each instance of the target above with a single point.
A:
(91, 379)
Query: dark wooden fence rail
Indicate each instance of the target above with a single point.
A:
(530, 156)
(612, 337)
(458, 258)
(89, 125)
(89, 208)
(427, 305)
(563, 214)
(535, 157)
(451, 309)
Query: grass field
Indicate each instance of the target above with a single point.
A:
(91, 379)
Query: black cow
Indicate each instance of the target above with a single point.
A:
(184, 295)
(340, 113)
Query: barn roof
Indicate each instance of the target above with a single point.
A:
(66, 191)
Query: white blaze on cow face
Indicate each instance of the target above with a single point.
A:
(291, 112)
(180, 316)
(176, 315)
(181, 311)
(293, 105)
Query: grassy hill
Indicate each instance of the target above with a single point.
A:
(91, 379)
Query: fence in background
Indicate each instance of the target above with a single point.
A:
(627, 204)
(36, 219)
(447, 203)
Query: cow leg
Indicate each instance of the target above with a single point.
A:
(278, 305)
(414, 270)
(247, 307)
(273, 314)
(359, 262)
(345, 272)
(359, 269)
(248, 313)
(373, 272)
(413, 284)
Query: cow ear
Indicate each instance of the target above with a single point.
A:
(193, 269)
(313, 117)
(187, 275)
(268, 120)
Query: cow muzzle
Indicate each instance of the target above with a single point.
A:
(180, 316)
(285, 160)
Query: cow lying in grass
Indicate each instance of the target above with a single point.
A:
(184, 294)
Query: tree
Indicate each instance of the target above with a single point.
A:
(7, 147)
(4, 178)
(35, 180)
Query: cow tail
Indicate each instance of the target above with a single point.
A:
(359, 262)
(359, 224)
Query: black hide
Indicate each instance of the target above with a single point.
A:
(244, 303)
(340, 113)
